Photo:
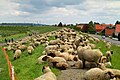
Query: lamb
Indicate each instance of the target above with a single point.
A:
(30, 49)
(17, 54)
(98, 74)
(48, 74)
(89, 55)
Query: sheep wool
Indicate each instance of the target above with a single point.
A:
(17, 54)
(48, 74)
(98, 74)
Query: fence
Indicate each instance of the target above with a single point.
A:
(10, 67)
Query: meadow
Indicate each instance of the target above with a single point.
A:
(26, 67)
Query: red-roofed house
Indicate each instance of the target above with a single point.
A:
(101, 27)
(117, 30)
(109, 31)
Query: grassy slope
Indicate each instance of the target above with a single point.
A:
(115, 56)
(4, 75)
(25, 67)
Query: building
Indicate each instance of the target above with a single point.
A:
(101, 27)
(83, 27)
(109, 31)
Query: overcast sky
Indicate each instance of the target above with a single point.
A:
(54, 11)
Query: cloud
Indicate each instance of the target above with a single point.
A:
(54, 11)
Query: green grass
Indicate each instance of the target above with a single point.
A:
(26, 67)
(4, 75)
(116, 53)
(16, 36)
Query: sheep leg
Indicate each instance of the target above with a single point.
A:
(83, 64)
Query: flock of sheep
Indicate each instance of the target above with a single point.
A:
(68, 45)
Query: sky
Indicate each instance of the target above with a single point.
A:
(55, 11)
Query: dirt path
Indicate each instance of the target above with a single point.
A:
(72, 74)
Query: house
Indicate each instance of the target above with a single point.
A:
(101, 27)
(117, 29)
(109, 31)
(83, 27)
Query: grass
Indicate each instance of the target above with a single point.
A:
(116, 53)
(26, 67)
(4, 75)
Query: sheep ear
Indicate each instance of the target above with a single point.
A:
(111, 52)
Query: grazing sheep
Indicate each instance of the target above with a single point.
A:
(109, 55)
(17, 54)
(48, 74)
(98, 74)
(108, 45)
(30, 49)
(89, 55)
(22, 47)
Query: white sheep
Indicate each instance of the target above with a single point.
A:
(108, 45)
(109, 55)
(90, 55)
(42, 59)
(60, 65)
(98, 74)
(48, 74)
(30, 49)
(17, 54)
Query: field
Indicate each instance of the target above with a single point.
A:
(26, 67)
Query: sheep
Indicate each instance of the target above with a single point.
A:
(17, 54)
(98, 74)
(60, 65)
(108, 45)
(56, 59)
(78, 64)
(48, 74)
(115, 71)
(89, 55)
(109, 55)
(65, 55)
(53, 42)
(30, 49)
(88, 65)
(42, 59)
(22, 47)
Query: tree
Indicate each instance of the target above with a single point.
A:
(60, 24)
(91, 26)
(117, 22)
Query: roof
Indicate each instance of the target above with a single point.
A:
(117, 28)
(100, 27)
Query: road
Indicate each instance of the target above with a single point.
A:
(113, 40)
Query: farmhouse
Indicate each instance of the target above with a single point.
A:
(109, 30)
(83, 27)
(101, 27)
